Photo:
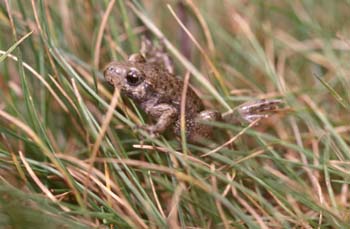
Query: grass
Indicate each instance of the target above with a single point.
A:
(69, 155)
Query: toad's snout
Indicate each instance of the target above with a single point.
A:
(108, 74)
(113, 74)
(110, 70)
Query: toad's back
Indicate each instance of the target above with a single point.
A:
(168, 89)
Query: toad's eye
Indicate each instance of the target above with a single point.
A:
(134, 77)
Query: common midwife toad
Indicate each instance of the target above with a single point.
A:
(150, 82)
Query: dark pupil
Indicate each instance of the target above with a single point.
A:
(132, 77)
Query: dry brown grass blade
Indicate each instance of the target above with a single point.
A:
(217, 203)
(252, 155)
(36, 179)
(37, 21)
(251, 210)
(43, 147)
(100, 33)
(108, 182)
(202, 51)
(100, 136)
(80, 172)
(232, 139)
(154, 191)
(122, 204)
(173, 206)
(203, 24)
(183, 111)
(41, 79)
(179, 154)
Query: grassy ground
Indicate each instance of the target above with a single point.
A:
(69, 155)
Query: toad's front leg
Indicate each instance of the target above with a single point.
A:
(165, 116)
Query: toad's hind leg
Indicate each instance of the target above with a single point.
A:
(253, 111)
(201, 130)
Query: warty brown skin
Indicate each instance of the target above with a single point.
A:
(158, 92)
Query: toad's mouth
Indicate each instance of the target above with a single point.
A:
(113, 80)
(112, 77)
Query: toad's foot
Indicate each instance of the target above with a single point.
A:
(251, 111)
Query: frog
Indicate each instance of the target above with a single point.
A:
(147, 77)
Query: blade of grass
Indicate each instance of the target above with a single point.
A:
(14, 46)
(202, 51)
(43, 147)
(333, 92)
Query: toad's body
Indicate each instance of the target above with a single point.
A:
(158, 92)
